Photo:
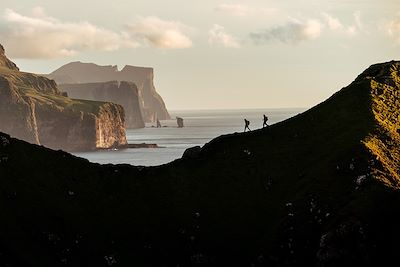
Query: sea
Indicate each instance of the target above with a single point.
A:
(200, 127)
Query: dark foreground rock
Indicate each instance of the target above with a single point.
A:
(319, 189)
(192, 152)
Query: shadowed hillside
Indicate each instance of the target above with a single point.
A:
(319, 189)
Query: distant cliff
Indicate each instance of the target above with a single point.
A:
(33, 109)
(152, 105)
(125, 94)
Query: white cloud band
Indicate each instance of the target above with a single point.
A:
(42, 36)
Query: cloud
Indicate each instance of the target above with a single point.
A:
(293, 32)
(218, 36)
(240, 10)
(335, 24)
(160, 33)
(392, 29)
(41, 36)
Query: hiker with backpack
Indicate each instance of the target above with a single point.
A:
(265, 121)
(246, 125)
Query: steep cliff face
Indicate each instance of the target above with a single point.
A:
(33, 109)
(110, 126)
(125, 94)
(320, 189)
(16, 116)
(77, 129)
(152, 105)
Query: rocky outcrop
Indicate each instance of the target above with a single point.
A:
(152, 105)
(125, 94)
(33, 109)
(5, 62)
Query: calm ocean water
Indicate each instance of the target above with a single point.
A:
(200, 127)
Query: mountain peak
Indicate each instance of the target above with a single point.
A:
(5, 62)
(382, 72)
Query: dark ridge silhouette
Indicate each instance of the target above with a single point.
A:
(319, 189)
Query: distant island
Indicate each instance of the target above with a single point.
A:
(319, 189)
(94, 82)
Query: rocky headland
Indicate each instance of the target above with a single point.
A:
(319, 189)
(32, 108)
(151, 104)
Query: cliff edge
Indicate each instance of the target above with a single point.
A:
(33, 109)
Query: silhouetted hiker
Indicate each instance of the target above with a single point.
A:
(158, 124)
(246, 125)
(265, 121)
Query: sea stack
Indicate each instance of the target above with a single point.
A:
(179, 121)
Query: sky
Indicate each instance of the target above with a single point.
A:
(211, 54)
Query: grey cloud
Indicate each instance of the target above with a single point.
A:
(292, 32)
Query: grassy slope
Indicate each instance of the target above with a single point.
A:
(264, 198)
(27, 87)
(384, 142)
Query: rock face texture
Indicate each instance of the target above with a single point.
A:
(125, 94)
(33, 109)
(152, 105)
(319, 189)
(5, 62)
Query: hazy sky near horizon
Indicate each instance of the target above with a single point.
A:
(211, 54)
